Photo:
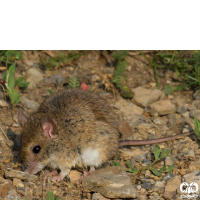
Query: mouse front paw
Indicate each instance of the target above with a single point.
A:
(53, 173)
(58, 178)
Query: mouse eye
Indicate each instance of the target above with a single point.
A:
(36, 149)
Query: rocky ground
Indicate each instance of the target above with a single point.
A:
(151, 114)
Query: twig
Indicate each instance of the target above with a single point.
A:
(4, 133)
(49, 53)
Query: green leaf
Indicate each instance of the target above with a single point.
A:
(4, 75)
(74, 83)
(50, 91)
(156, 172)
(156, 152)
(10, 77)
(197, 127)
(9, 54)
(164, 153)
(20, 82)
(18, 55)
(114, 163)
(163, 168)
(128, 165)
(170, 168)
(50, 195)
(168, 89)
(14, 97)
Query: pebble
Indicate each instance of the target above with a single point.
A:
(171, 120)
(193, 112)
(18, 183)
(74, 175)
(172, 185)
(196, 103)
(168, 176)
(56, 79)
(4, 103)
(194, 176)
(181, 110)
(5, 186)
(169, 160)
(111, 182)
(12, 195)
(11, 173)
(159, 186)
(33, 76)
(162, 107)
(98, 196)
(31, 104)
(190, 153)
(147, 183)
(145, 97)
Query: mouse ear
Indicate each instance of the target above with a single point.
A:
(48, 126)
(22, 118)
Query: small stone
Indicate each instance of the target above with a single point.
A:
(181, 110)
(5, 186)
(56, 79)
(196, 103)
(74, 175)
(11, 173)
(4, 103)
(171, 120)
(17, 183)
(190, 153)
(145, 97)
(159, 186)
(172, 185)
(12, 195)
(142, 197)
(33, 76)
(147, 183)
(194, 176)
(162, 107)
(191, 107)
(169, 160)
(111, 182)
(146, 161)
(30, 103)
(168, 176)
(193, 112)
(147, 174)
(139, 158)
(98, 196)
(21, 190)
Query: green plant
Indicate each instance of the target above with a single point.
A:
(186, 64)
(197, 127)
(158, 157)
(50, 91)
(118, 78)
(10, 57)
(62, 59)
(50, 196)
(73, 82)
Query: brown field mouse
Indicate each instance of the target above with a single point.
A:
(72, 127)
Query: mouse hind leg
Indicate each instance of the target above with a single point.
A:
(101, 146)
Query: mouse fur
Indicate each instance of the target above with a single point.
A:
(70, 127)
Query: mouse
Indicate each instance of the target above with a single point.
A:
(72, 127)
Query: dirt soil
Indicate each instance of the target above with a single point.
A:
(96, 69)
